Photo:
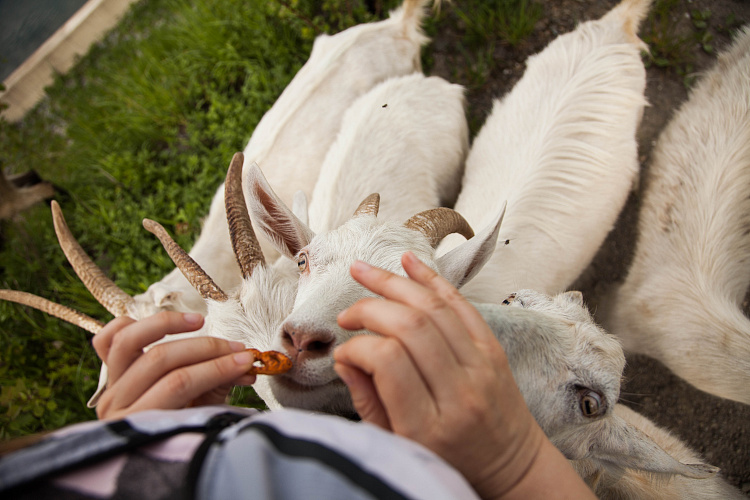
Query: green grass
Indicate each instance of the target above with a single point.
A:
(144, 125)
(674, 28)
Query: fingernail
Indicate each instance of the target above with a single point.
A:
(236, 346)
(192, 318)
(361, 266)
(244, 358)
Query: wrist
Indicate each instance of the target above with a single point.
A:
(512, 465)
(549, 476)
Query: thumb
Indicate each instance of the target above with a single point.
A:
(364, 395)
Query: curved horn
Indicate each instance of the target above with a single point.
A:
(194, 273)
(369, 206)
(437, 223)
(244, 243)
(64, 313)
(101, 287)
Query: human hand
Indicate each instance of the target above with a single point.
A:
(437, 375)
(188, 372)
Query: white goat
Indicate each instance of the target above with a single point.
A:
(681, 301)
(293, 137)
(561, 149)
(568, 370)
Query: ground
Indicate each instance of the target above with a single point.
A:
(716, 428)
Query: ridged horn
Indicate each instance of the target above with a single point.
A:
(369, 206)
(194, 273)
(101, 287)
(437, 223)
(46, 306)
(244, 242)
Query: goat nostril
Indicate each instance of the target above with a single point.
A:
(318, 345)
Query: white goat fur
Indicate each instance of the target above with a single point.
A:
(293, 137)
(395, 136)
(561, 149)
(681, 301)
(417, 167)
(558, 355)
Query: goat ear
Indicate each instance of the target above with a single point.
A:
(271, 217)
(299, 207)
(463, 262)
(618, 444)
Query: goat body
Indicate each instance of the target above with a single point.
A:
(681, 300)
(293, 137)
(561, 149)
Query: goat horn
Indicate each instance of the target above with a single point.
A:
(437, 223)
(197, 277)
(64, 313)
(101, 287)
(245, 244)
(369, 206)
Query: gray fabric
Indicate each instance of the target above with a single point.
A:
(280, 455)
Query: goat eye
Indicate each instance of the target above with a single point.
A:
(302, 262)
(510, 299)
(591, 404)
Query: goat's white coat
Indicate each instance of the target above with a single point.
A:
(681, 301)
(561, 149)
(293, 137)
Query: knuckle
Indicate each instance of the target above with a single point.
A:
(389, 349)
(165, 318)
(215, 344)
(119, 342)
(434, 303)
(159, 355)
(450, 293)
(415, 320)
(178, 382)
(100, 344)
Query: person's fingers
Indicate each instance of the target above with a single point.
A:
(414, 294)
(364, 395)
(415, 329)
(391, 368)
(185, 384)
(128, 343)
(103, 340)
(218, 395)
(182, 386)
(470, 317)
(164, 358)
